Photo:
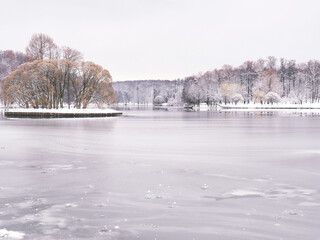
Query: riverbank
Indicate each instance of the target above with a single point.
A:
(60, 113)
(284, 106)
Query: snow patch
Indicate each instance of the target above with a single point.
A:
(235, 177)
(204, 187)
(56, 167)
(245, 193)
(279, 193)
(4, 233)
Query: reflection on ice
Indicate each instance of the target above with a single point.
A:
(72, 205)
(273, 193)
(57, 167)
(245, 193)
(236, 177)
(309, 204)
(204, 187)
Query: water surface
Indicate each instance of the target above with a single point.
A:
(157, 174)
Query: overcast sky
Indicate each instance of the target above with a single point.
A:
(167, 39)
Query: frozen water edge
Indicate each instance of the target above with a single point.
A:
(4, 233)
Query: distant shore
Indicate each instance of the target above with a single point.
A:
(284, 106)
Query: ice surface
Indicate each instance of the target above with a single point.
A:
(162, 174)
(309, 204)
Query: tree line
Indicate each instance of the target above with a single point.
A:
(51, 76)
(261, 81)
(149, 91)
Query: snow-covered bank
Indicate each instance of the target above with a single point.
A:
(4, 233)
(270, 106)
(64, 112)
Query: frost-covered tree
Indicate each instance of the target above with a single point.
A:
(253, 80)
(249, 77)
(172, 102)
(313, 77)
(237, 98)
(148, 90)
(272, 97)
(193, 91)
(158, 100)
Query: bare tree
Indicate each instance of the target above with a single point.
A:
(42, 47)
(73, 58)
(313, 74)
(41, 84)
(95, 85)
(249, 76)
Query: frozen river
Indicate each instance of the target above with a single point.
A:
(162, 175)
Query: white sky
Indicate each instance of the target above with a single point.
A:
(167, 39)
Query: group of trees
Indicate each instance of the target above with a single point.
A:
(48, 76)
(260, 81)
(149, 91)
(51, 76)
(10, 61)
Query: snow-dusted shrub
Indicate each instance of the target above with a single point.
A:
(272, 97)
(285, 100)
(237, 98)
(158, 100)
(293, 98)
(172, 102)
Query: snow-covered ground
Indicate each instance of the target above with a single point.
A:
(271, 106)
(4, 233)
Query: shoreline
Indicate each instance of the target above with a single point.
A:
(275, 106)
(60, 113)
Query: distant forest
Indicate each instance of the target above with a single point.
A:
(267, 80)
(149, 91)
(262, 81)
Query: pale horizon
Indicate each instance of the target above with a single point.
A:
(167, 40)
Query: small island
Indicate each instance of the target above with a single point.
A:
(56, 82)
(60, 113)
